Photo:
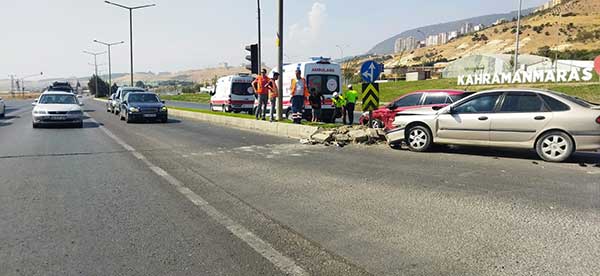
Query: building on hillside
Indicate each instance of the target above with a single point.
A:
(500, 21)
(478, 27)
(443, 38)
(548, 5)
(502, 63)
(466, 28)
(452, 35)
(432, 40)
(406, 44)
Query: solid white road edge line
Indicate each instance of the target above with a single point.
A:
(262, 247)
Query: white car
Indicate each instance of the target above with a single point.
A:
(2, 108)
(57, 108)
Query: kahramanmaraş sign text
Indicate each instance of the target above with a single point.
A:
(575, 75)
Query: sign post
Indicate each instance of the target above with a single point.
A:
(369, 73)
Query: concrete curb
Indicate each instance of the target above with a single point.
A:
(263, 127)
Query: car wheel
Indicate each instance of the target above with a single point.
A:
(288, 114)
(127, 119)
(377, 124)
(211, 107)
(79, 125)
(419, 139)
(34, 125)
(555, 146)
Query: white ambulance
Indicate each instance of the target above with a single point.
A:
(233, 94)
(320, 74)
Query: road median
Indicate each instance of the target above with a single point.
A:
(263, 127)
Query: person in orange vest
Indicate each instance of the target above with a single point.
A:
(260, 85)
(299, 94)
(273, 93)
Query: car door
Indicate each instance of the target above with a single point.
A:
(521, 116)
(468, 122)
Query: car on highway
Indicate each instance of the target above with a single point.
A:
(57, 108)
(110, 103)
(120, 96)
(553, 124)
(63, 86)
(2, 108)
(144, 106)
(385, 115)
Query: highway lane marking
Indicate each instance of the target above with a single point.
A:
(283, 263)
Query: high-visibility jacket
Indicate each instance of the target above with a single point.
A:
(339, 101)
(273, 90)
(351, 96)
(260, 85)
(294, 82)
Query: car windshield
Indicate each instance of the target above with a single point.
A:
(58, 99)
(242, 89)
(143, 98)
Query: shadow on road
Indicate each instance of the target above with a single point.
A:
(170, 121)
(584, 159)
(61, 126)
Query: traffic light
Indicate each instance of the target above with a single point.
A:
(253, 58)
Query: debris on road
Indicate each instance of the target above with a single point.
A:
(345, 135)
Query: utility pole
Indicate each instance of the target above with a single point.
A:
(109, 64)
(130, 29)
(95, 67)
(259, 39)
(518, 36)
(280, 63)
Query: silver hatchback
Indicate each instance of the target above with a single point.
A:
(555, 125)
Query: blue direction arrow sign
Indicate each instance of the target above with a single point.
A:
(370, 71)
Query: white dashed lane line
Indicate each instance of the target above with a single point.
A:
(262, 247)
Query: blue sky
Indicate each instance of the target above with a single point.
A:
(49, 36)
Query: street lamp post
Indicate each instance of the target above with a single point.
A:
(130, 29)
(95, 66)
(280, 60)
(26, 77)
(109, 64)
(518, 36)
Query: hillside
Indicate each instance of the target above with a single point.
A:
(199, 75)
(574, 25)
(386, 47)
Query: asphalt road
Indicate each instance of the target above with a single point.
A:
(170, 199)
(207, 107)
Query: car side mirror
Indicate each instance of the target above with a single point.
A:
(80, 104)
(391, 107)
(33, 104)
(437, 107)
(163, 102)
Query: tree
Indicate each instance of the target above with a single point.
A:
(101, 90)
(140, 84)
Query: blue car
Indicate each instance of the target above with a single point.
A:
(142, 107)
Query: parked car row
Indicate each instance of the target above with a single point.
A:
(553, 124)
(133, 104)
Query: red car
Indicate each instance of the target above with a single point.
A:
(384, 116)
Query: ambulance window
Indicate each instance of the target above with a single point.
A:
(316, 83)
(242, 89)
(324, 84)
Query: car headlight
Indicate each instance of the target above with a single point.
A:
(164, 108)
(134, 109)
(40, 112)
